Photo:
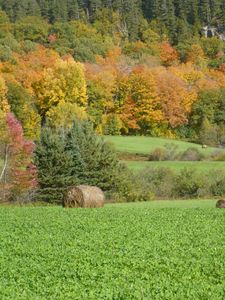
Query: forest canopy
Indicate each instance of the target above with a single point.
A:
(131, 67)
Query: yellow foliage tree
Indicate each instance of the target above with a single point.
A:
(3, 128)
(31, 122)
(196, 54)
(4, 106)
(64, 114)
(63, 83)
(189, 73)
(143, 92)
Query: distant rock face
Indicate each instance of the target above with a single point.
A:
(210, 31)
(222, 37)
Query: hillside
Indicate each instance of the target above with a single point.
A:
(134, 152)
(145, 145)
(123, 68)
(131, 67)
(179, 17)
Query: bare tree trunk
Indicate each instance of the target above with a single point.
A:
(5, 162)
(3, 173)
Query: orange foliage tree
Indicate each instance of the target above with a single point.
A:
(175, 97)
(168, 54)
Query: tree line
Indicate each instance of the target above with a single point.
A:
(125, 72)
(176, 17)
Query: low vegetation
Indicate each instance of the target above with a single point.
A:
(127, 251)
(139, 152)
(176, 166)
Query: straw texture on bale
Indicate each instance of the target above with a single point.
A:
(220, 203)
(84, 196)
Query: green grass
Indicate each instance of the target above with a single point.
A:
(144, 145)
(156, 250)
(201, 166)
(206, 203)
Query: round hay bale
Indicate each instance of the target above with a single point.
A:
(84, 196)
(220, 203)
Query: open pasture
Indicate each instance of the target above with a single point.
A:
(200, 166)
(153, 250)
(144, 144)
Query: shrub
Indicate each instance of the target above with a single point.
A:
(191, 154)
(188, 183)
(218, 155)
(171, 151)
(157, 154)
(157, 182)
(217, 183)
(167, 153)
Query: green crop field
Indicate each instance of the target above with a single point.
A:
(144, 145)
(156, 250)
(201, 166)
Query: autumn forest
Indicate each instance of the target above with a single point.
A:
(153, 68)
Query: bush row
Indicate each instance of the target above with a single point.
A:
(163, 183)
(170, 152)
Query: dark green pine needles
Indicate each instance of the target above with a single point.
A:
(76, 157)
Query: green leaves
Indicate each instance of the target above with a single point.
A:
(119, 252)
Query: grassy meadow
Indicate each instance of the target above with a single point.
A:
(200, 166)
(153, 250)
(142, 145)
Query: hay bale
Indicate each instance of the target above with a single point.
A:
(220, 203)
(84, 196)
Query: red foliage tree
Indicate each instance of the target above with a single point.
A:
(22, 173)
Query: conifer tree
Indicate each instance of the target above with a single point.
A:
(53, 164)
(73, 10)
(75, 157)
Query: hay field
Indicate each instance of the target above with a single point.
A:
(156, 250)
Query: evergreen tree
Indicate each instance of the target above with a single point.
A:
(33, 9)
(44, 8)
(77, 157)
(204, 10)
(73, 10)
(192, 14)
(53, 164)
(94, 162)
(58, 11)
